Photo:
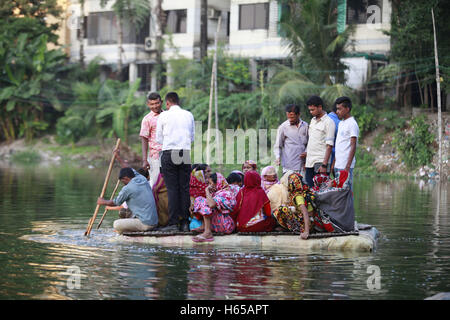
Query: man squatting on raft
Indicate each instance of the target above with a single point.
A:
(139, 197)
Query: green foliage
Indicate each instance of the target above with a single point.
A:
(412, 40)
(309, 28)
(25, 157)
(366, 118)
(415, 148)
(364, 162)
(331, 93)
(22, 12)
(27, 72)
(235, 71)
(105, 109)
(290, 86)
(392, 119)
(378, 141)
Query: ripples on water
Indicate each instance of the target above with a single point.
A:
(44, 216)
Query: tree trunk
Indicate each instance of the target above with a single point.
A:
(120, 48)
(161, 22)
(425, 94)
(82, 34)
(397, 90)
(430, 86)
(420, 89)
(405, 92)
(203, 29)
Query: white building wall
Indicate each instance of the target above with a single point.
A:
(356, 74)
(369, 37)
(183, 45)
(256, 44)
(260, 43)
(110, 53)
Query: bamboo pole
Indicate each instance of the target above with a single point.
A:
(438, 88)
(211, 92)
(106, 210)
(105, 184)
(216, 95)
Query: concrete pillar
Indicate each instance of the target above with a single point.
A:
(132, 72)
(254, 73)
(169, 78)
(153, 81)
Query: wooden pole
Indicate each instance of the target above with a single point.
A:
(216, 98)
(438, 87)
(211, 91)
(106, 210)
(208, 134)
(105, 184)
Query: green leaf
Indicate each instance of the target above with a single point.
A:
(6, 93)
(10, 105)
(11, 76)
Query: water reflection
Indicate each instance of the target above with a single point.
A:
(44, 213)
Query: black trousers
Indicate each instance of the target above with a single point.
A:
(176, 170)
(311, 172)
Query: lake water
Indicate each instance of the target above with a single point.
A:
(44, 213)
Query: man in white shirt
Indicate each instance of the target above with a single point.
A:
(175, 131)
(347, 138)
(321, 140)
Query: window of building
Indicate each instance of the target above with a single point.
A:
(357, 10)
(176, 21)
(102, 29)
(254, 16)
(144, 71)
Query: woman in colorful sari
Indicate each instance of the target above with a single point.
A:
(252, 212)
(197, 186)
(328, 210)
(215, 208)
(278, 193)
(295, 215)
(269, 178)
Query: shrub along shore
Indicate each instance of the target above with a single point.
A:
(395, 145)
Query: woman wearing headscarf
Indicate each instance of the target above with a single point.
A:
(249, 165)
(295, 216)
(327, 210)
(278, 193)
(269, 178)
(252, 212)
(197, 186)
(215, 208)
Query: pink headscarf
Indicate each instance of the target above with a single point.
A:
(269, 170)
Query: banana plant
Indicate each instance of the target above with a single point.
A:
(29, 70)
(116, 102)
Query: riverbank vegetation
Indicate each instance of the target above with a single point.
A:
(43, 93)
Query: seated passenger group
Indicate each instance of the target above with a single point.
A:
(263, 203)
(247, 201)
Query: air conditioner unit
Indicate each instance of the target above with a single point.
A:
(213, 13)
(150, 44)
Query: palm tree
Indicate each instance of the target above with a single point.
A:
(136, 12)
(310, 30)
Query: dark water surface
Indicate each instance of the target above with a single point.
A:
(44, 213)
